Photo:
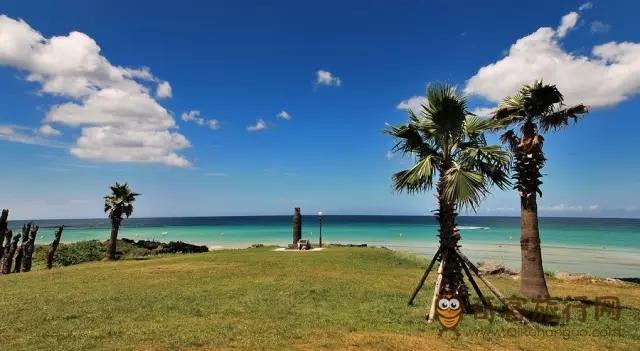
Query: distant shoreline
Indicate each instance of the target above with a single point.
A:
(313, 215)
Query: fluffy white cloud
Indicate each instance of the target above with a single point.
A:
(113, 107)
(163, 90)
(567, 23)
(48, 130)
(599, 27)
(108, 143)
(260, 125)
(194, 116)
(327, 78)
(284, 115)
(611, 73)
(120, 120)
(413, 103)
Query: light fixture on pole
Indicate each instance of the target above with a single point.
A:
(320, 220)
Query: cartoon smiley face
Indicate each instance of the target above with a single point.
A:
(449, 311)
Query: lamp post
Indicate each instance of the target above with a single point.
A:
(320, 220)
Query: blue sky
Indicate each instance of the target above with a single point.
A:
(87, 101)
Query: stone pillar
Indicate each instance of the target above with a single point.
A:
(297, 226)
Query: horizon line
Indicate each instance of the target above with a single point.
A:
(315, 215)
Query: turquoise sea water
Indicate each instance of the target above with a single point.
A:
(600, 246)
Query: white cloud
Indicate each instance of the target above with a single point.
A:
(327, 78)
(48, 130)
(213, 124)
(194, 116)
(120, 120)
(483, 111)
(389, 155)
(25, 135)
(108, 143)
(567, 23)
(113, 107)
(284, 115)
(611, 73)
(163, 90)
(599, 27)
(260, 125)
(413, 103)
(585, 6)
(569, 208)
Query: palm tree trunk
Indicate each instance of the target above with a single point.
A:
(452, 278)
(532, 281)
(115, 227)
(529, 161)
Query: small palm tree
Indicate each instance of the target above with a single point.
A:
(448, 142)
(118, 203)
(536, 107)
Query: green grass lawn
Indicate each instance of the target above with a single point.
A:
(340, 298)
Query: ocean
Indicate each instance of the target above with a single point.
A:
(599, 246)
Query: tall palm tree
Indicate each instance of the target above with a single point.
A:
(537, 107)
(448, 142)
(118, 203)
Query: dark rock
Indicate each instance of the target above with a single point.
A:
(493, 268)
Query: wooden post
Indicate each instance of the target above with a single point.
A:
(297, 226)
(54, 246)
(26, 229)
(473, 282)
(7, 259)
(494, 290)
(27, 258)
(436, 290)
(424, 277)
(6, 245)
(3, 229)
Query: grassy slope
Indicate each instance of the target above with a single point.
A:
(342, 298)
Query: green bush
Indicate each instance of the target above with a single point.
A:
(95, 250)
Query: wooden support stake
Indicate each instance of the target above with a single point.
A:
(436, 290)
(494, 290)
(473, 282)
(424, 277)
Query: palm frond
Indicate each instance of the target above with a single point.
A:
(410, 139)
(417, 178)
(511, 139)
(510, 110)
(475, 125)
(561, 118)
(465, 188)
(119, 201)
(445, 109)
